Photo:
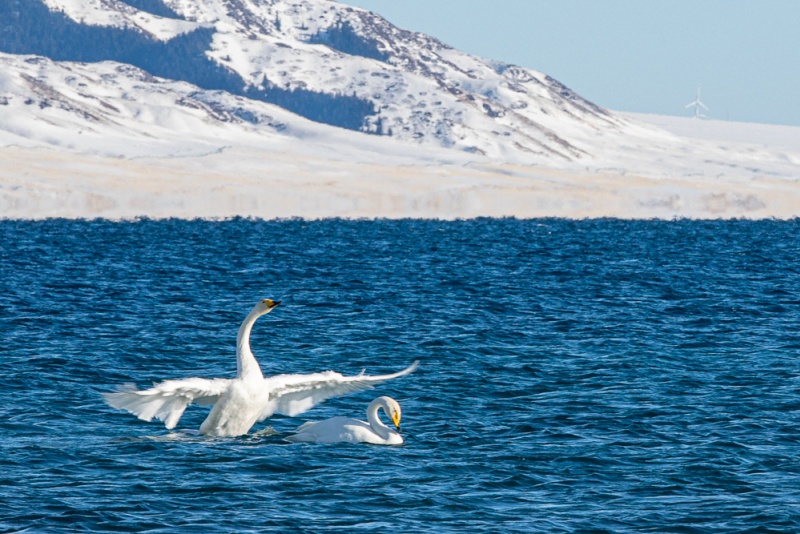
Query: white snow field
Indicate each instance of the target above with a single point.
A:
(355, 176)
(183, 167)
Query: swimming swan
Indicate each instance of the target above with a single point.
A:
(242, 401)
(345, 429)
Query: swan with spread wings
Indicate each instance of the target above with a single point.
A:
(241, 402)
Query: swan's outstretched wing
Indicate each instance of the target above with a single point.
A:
(294, 394)
(167, 400)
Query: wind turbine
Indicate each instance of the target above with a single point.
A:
(697, 104)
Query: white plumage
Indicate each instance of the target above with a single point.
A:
(345, 429)
(241, 402)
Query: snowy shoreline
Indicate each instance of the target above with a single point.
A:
(356, 176)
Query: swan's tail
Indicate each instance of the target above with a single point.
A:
(306, 426)
(149, 404)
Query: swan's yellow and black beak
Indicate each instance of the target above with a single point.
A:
(396, 420)
(271, 303)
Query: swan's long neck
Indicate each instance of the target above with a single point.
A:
(374, 421)
(246, 363)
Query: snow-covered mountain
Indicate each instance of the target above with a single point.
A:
(279, 108)
(326, 61)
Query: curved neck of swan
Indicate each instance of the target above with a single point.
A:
(374, 421)
(246, 363)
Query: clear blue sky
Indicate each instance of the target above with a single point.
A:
(633, 55)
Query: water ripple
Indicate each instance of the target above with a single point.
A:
(576, 376)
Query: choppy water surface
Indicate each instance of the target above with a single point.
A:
(575, 376)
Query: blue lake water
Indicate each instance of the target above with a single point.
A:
(575, 376)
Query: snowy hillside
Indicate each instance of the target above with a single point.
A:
(276, 108)
(330, 63)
